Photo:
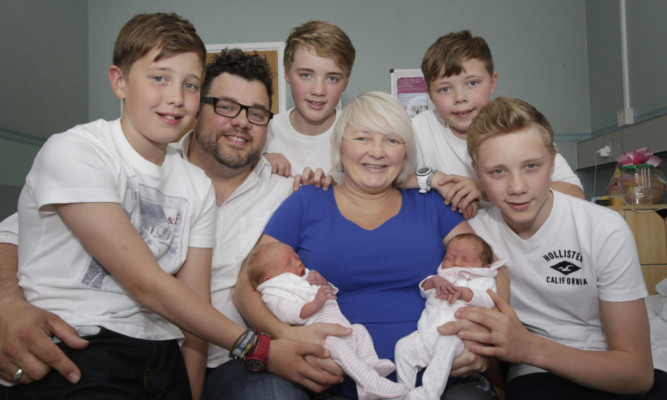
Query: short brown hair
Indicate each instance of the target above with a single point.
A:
(325, 40)
(168, 32)
(487, 253)
(506, 115)
(446, 55)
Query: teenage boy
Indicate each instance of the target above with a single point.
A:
(318, 61)
(227, 145)
(577, 325)
(459, 73)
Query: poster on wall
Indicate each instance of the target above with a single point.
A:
(409, 87)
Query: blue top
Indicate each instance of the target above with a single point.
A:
(376, 271)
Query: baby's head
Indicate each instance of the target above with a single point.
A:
(467, 250)
(272, 259)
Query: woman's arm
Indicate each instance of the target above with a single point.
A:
(626, 368)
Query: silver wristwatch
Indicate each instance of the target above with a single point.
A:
(424, 178)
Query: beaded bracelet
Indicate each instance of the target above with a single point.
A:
(244, 345)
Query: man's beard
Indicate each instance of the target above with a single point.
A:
(231, 159)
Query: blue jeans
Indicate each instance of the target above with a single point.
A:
(114, 366)
(233, 381)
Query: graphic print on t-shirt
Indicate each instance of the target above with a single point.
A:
(565, 262)
(159, 220)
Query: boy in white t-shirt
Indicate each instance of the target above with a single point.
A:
(318, 62)
(116, 231)
(459, 73)
(576, 326)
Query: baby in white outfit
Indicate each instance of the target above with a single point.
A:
(464, 275)
(298, 296)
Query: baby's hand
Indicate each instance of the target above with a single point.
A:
(324, 293)
(315, 278)
(449, 297)
(441, 285)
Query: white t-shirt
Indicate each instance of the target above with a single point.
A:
(439, 148)
(9, 229)
(240, 222)
(172, 206)
(583, 253)
(299, 149)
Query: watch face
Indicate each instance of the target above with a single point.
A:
(255, 365)
(423, 171)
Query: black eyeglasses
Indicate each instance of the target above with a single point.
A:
(230, 109)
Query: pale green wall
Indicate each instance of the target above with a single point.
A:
(563, 56)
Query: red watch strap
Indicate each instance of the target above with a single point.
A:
(260, 354)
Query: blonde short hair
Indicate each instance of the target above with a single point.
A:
(378, 112)
(325, 40)
(506, 115)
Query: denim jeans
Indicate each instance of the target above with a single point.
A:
(233, 381)
(114, 366)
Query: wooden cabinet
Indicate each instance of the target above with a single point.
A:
(649, 226)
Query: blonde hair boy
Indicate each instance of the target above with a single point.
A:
(318, 62)
(577, 286)
(506, 115)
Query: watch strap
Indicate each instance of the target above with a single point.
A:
(256, 359)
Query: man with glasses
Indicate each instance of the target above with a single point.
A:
(226, 143)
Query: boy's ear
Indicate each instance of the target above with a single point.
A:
(494, 81)
(117, 81)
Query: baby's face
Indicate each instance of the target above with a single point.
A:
(463, 253)
(284, 259)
